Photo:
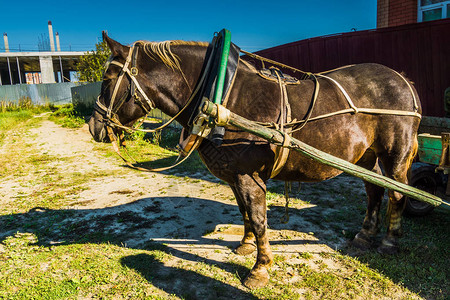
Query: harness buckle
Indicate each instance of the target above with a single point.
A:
(134, 71)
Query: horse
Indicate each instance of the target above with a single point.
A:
(165, 74)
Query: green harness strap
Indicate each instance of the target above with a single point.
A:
(225, 35)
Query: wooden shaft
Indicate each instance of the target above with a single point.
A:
(277, 137)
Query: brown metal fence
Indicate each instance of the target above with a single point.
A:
(421, 51)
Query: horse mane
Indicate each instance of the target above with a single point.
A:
(162, 51)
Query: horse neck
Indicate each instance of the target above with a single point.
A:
(176, 86)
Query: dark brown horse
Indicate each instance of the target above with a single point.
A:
(168, 71)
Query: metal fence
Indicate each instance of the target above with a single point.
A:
(420, 50)
(56, 93)
(86, 96)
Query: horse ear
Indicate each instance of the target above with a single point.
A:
(117, 49)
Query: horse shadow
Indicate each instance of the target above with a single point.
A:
(187, 285)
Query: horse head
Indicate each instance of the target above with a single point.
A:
(142, 77)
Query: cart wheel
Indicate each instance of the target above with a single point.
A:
(423, 178)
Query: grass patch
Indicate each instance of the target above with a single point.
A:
(71, 271)
(67, 116)
(424, 250)
(14, 116)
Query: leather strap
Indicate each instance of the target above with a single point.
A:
(282, 152)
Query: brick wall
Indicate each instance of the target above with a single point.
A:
(402, 12)
(396, 12)
(382, 13)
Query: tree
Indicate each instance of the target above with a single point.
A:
(91, 65)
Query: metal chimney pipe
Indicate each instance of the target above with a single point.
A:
(58, 47)
(50, 35)
(5, 39)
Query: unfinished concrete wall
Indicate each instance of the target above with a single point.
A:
(47, 72)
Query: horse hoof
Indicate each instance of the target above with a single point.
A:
(257, 279)
(245, 249)
(387, 247)
(362, 241)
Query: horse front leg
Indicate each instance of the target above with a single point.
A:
(248, 242)
(251, 190)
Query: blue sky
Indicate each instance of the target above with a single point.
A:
(254, 25)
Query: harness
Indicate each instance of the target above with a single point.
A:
(216, 81)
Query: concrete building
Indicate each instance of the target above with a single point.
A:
(38, 67)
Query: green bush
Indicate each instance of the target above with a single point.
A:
(91, 65)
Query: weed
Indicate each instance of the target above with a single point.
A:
(305, 255)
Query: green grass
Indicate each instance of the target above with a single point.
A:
(11, 119)
(72, 271)
(15, 116)
(67, 116)
(425, 251)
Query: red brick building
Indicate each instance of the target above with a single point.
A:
(400, 12)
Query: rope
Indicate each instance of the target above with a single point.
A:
(313, 103)
(353, 108)
(344, 92)
(287, 188)
(273, 62)
(116, 148)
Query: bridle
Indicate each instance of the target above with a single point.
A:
(111, 119)
(109, 113)
(199, 121)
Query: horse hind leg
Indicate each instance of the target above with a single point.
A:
(397, 166)
(370, 227)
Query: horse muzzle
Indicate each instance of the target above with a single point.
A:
(97, 128)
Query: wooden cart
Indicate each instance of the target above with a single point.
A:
(430, 171)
